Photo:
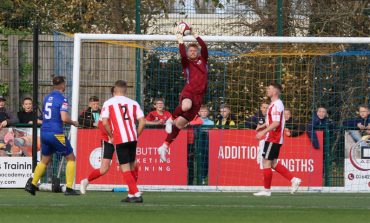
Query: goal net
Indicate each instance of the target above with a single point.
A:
(324, 79)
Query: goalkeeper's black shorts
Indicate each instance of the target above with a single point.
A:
(108, 150)
(126, 152)
(271, 151)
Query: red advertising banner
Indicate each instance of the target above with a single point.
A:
(233, 154)
(152, 171)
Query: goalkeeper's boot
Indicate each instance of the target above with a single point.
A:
(162, 151)
(30, 188)
(263, 193)
(169, 124)
(71, 192)
(83, 185)
(295, 184)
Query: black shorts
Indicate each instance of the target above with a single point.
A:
(271, 150)
(107, 150)
(126, 152)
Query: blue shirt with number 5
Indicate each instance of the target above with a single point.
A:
(54, 103)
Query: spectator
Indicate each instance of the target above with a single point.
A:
(225, 118)
(159, 116)
(26, 116)
(202, 117)
(198, 146)
(292, 126)
(320, 119)
(360, 125)
(6, 117)
(89, 118)
(258, 118)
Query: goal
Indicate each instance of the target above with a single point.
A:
(331, 73)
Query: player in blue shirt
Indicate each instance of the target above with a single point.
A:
(55, 114)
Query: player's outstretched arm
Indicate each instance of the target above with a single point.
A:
(67, 119)
(203, 45)
(182, 48)
(140, 126)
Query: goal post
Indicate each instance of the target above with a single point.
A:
(316, 72)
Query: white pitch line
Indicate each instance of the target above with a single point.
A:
(202, 205)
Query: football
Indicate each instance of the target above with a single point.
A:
(185, 27)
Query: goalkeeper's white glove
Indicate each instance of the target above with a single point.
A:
(179, 36)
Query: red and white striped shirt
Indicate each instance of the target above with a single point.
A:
(275, 113)
(123, 113)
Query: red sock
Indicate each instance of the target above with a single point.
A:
(283, 171)
(267, 178)
(130, 181)
(134, 174)
(172, 136)
(177, 112)
(93, 175)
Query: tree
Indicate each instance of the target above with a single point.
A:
(338, 18)
(15, 16)
(303, 18)
(260, 17)
(99, 16)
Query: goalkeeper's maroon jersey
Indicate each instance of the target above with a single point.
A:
(195, 72)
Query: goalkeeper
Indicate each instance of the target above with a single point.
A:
(195, 70)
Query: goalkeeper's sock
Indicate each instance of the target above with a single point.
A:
(177, 112)
(267, 178)
(283, 171)
(172, 136)
(70, 173)
(94, 175)
(130, 181)
(39, 172)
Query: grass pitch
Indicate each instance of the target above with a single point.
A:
(103, 207)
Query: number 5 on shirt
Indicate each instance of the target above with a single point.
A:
(48, 110)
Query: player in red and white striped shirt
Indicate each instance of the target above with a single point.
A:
(107, 153)
(273, 131)
(119, 117)
(106, 159)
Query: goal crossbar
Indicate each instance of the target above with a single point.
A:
(236, 39)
